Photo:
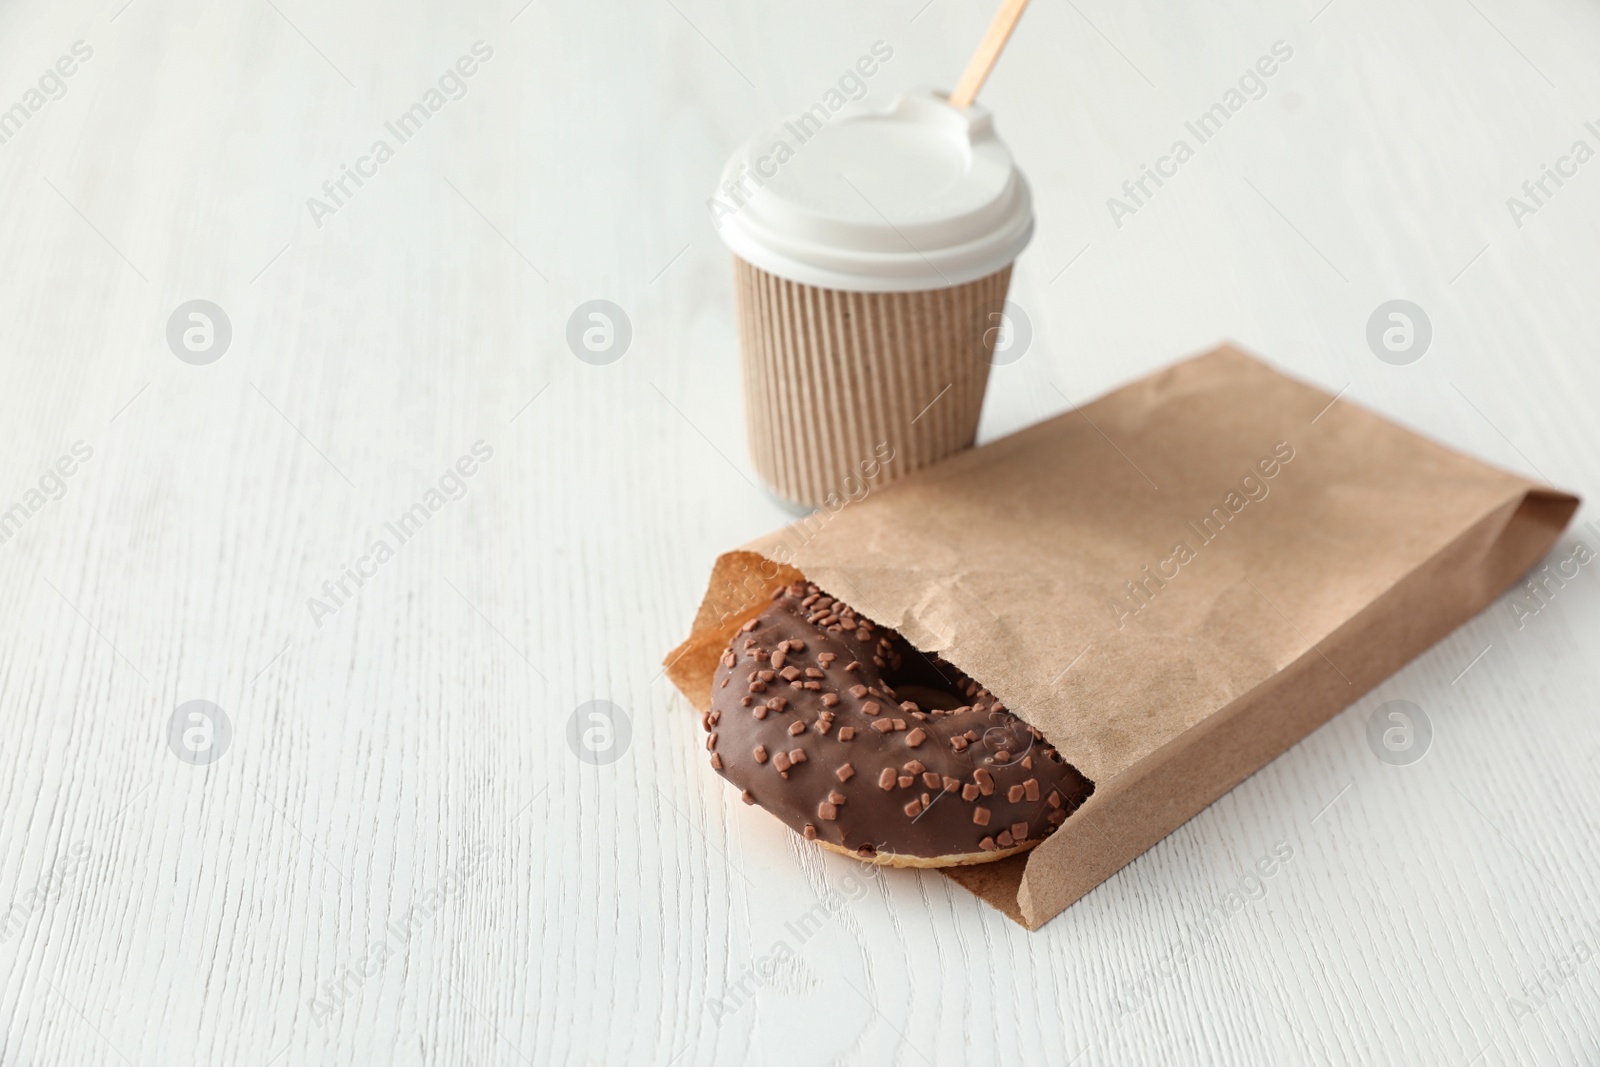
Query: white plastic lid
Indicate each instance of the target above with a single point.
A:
(920, 196)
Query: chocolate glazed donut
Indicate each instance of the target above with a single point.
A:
(869, 747)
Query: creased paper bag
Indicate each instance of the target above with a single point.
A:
(1174, 583)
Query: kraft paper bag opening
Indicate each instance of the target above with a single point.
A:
(1174, 583)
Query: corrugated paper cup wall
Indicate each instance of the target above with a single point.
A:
(833, 379)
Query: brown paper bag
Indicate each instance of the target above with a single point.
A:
(1174, 583)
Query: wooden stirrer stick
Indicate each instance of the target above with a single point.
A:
(972, 79)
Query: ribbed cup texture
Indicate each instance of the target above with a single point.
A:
(833, 379)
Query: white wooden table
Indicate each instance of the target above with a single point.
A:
(394, 857)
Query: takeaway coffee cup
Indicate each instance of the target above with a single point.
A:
(872, 253)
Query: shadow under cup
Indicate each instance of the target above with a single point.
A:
(848, 391)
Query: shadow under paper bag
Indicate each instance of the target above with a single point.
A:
(1173, 610)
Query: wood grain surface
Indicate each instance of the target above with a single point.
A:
(394, 855)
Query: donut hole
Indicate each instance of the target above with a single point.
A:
(929, 698)
(926, 679)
